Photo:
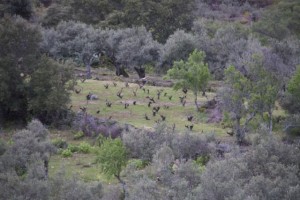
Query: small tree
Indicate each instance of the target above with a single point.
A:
(291, 101)
(193, 74)
(294, 84)
(112, 157)
(265, 89)
(234, 98)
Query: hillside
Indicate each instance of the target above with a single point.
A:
(150, 99)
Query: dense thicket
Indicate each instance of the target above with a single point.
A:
(268, 169)
(32, 85)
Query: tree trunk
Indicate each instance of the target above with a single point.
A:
(270, 121)
(88, 71)
(123, 184)
(240, 135)
(46, 166)
(140, 71)
(196, 103)
(121, 71)
(240, 131)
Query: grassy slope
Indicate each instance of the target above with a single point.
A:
(176, 114)
(83, 165)
(80, 165)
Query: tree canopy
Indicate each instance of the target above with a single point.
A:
(192, 74)
(31, 85)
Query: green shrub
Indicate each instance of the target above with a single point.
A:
(85, 147)
(149, 69)
(60, 143)
(226, 122)
(202, 160)
(73, 148)
(66, 153)
(78, 135)
(137, 163)
(202, 110)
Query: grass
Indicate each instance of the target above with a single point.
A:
(175, 114)
(81, 165)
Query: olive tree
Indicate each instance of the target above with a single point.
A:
(74, 40)
(125, 48)
(137, 50)
(178, 47)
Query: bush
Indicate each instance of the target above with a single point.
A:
(73, 148)
(66, 153)
(137, 163)
(202, 160)
(267, 171)
(60, 143)
(85, 147)
(78, 135)
(141, 144)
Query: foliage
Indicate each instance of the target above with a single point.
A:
(92, 126)
(189, 146)
(234, 98)
(269, 170)
(130, 47)
(138, 49)
(292, 96)
(49, 90)
(142, 145)
(60, 143)
(73, 148)
(161, 18)
(287, 51)
(112, 157)
(178, 46)
(31, 85)
(78, 135)
(193, 74)
(19, 42)
(23, 8)
(3, 147)
(85, 147)
(137, 163)
(66, 153)
(78, 41)
(224, 10)
(254, 91)
(202, 160)
(56, 13)
(30, 146)
(144, 188)
(265, 89)
(36, 187)
(294, 84)
(280, 20)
